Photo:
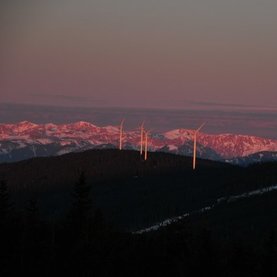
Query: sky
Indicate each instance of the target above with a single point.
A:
(160, 54)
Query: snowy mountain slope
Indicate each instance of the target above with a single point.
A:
(25, 140)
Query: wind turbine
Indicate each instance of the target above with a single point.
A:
(146, 133)
(34, 151)
(121, 134)
(195, 145)
(141, 137)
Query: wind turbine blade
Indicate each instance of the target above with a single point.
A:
(202, 125)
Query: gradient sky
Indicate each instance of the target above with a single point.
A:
(146, 53)
(247, 122)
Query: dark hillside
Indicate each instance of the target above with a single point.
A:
(131, 193)
(52, 225)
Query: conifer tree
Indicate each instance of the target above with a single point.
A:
(81, 206)
(32, 213)
(5, 205)
(5, 227)
(270, 257)
(32, 236)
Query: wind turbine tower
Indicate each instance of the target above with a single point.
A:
(121, 134)
(34, 151)
(141, 137)
(145, 145)
(195, 145)
(146, 137)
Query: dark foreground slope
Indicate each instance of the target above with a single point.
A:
(237, 238)
(131, 193)
(59, 232)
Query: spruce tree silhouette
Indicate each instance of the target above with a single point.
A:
(5, 227)
(32, 212)
(270, 255)
(33, 237)
(80, 214)
(5, 205)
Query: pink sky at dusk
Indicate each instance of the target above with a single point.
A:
(157, 54)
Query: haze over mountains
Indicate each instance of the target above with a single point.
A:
(25, 140)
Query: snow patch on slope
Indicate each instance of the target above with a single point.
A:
(228, 199)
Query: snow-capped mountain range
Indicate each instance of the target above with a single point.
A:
(25, 140)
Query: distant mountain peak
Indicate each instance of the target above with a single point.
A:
(83, 124)
(26, 123)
